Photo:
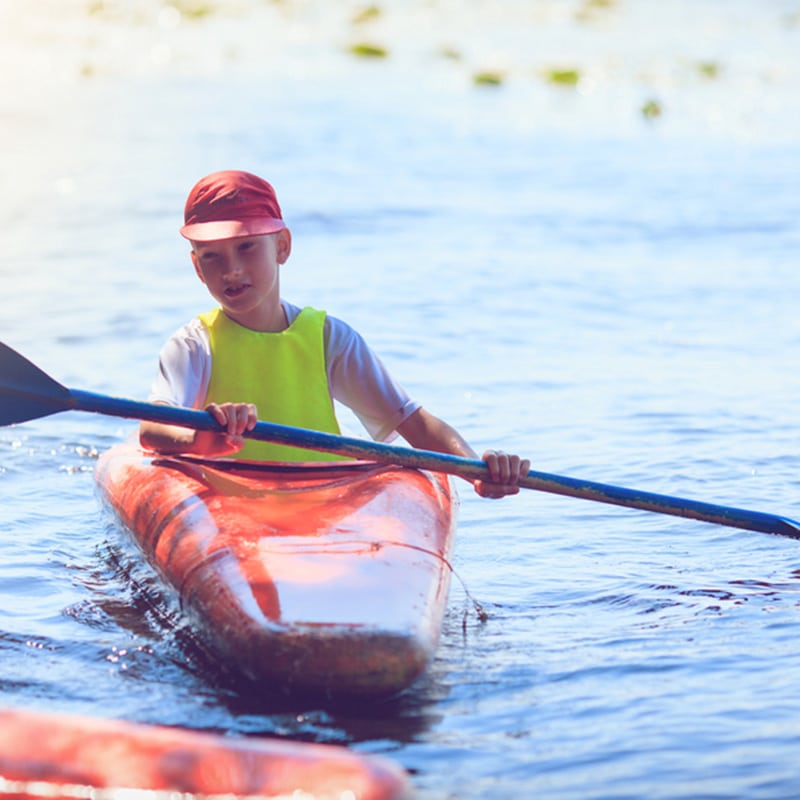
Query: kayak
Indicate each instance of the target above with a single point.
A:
(329, 577)
(64, 756)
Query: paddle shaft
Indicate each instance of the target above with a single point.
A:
(471, 469)
(26, 392)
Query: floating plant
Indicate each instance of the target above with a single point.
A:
(563, 77)
(367, 50)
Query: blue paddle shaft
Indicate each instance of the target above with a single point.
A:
(470, 469)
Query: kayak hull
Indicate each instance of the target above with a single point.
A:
(328, 577)
(65, 756)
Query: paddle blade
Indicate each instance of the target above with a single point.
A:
(25, 391)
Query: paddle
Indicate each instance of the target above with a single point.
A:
(26, 393)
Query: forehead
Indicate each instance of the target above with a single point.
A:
(225, 244)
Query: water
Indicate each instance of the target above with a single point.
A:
(540, 265)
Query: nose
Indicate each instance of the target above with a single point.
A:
(233, 268)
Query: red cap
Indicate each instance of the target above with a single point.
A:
(229, 205)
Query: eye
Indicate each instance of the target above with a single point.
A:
(208, 257)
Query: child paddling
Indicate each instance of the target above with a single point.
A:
(259, 356)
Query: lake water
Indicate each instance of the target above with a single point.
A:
(558, 270)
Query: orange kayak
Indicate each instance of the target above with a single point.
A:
(332, 576)
(60, 756)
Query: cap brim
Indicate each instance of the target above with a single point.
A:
(231, 229)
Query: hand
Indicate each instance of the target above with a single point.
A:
(505, 471)
(236, 418)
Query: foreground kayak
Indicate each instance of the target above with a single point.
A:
(331, 576)
(62, 756)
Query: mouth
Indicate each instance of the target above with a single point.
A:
(237, 290)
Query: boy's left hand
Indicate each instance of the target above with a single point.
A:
(505, 471)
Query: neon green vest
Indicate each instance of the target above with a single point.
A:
(282, 373)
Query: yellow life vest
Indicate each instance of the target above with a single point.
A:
(282, 373)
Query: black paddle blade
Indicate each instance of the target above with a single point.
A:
(25, 391)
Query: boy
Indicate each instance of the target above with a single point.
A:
(260, 354)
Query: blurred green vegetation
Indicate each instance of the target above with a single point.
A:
(563, 76)
(651, 109)
(368, 50)
(488, 78)
(366, 14)
(709, 69)
(595, 13)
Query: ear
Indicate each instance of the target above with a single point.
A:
(197, 266)
(283, 241)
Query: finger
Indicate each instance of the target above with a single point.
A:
(495, 491)
(213, 444)
(238, 417)
(234, 444)
(237, 420)
(227, 416)
(502, 469)
(252, 417)
(218, 413)
(513, 468)
(493, 459)
(243, 418)
(246, 417)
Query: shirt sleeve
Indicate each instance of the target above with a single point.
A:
(359, 380)
(184, 368)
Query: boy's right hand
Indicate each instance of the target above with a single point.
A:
(236, 418)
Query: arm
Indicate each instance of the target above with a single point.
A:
(184, 368)
(235, 417)
(427, 432)
(359, 380)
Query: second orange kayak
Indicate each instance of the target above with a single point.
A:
(332, 576)
(62, 756)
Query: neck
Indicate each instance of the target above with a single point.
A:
(271, 320)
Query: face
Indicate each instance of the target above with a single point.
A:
(242, 275)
